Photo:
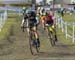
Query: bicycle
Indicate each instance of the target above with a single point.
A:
(33, 42)
(22, 27)
(51, 34)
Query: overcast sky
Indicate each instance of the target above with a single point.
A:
(12, 0)
(42, 0)
(18, 1)
(22, 0)
(38, 1)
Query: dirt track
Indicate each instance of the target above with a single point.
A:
(17, 48)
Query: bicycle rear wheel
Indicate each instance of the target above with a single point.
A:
(52, 38)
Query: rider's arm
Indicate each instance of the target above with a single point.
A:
(37, 19)
(54, 19)
(22, 22)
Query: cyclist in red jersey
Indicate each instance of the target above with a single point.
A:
(50, 21)
(49, 18)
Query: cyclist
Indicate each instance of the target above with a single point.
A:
(50, 21)
(24, 15)
(32, 23)
(43, 18)
(24, 10)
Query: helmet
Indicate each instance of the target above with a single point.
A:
(44, 13)
(24, 7)
(38, 8)
(27, 11)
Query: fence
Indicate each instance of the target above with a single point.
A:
(3, 17)
(67, 28)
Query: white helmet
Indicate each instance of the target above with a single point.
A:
(38, 8)
(24, 7)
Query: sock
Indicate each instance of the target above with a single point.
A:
(38, 42)
(55, 38)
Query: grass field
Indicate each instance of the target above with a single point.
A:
(6, 31)
(17, 47)
(70, 20)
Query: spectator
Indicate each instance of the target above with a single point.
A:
(62, 11)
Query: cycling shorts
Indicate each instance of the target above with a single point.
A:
(32, 24)
(49, 22)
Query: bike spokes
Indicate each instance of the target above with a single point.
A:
(33, 45)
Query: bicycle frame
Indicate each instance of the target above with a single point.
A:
(51, 29)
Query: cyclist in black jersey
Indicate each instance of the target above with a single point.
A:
(32, 23)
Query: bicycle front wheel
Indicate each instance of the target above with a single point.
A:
(33, 44)
(30, 44)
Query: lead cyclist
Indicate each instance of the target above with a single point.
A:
(32, 22)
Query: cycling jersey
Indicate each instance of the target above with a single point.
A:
(31, 17)
(43, 18)
(49, 19)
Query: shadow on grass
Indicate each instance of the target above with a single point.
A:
(61, 50)
(64, 45)
(4, 53)
(55, 54)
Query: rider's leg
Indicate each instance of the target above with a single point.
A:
(47, 28)
(28, 31)
(55, 36)
(28, 28)
(37, 35)
(54, 33)
(43, 24)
